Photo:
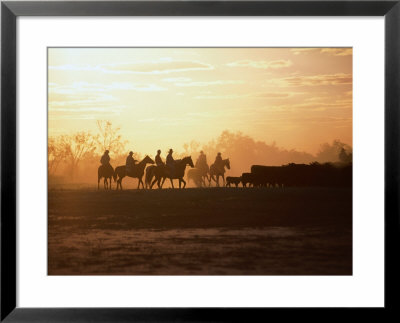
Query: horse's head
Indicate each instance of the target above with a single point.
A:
(188, 161)
(227, 163)
(148, 160)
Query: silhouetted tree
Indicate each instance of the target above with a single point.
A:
(191, 148)
(109, 138)
(243, 151)
(56, 153)
(334, 152)
(77, 146)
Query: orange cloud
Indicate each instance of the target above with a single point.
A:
(261, 64)
(316, 80)
(155, 67)
(261, 95)
(329, 51)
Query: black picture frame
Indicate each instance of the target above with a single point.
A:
(11, 10)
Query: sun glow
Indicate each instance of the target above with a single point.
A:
(164, 97)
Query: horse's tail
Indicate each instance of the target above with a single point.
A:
(115, 174)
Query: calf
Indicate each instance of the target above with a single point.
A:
(233, 180)
(247, 178)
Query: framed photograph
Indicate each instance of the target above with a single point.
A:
(198, 160)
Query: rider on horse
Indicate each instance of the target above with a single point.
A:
(130, 163)
(201, 162)
(170, 161)
(219, 163)
(105, 160)
(158, 159)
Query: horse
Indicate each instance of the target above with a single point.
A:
(149, 174)
(137, 172)
(199, 175)
(215, 171)
(107, 172)
(163, 172)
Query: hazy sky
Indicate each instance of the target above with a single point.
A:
(163, 97)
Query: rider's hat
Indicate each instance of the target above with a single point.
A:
(219, 154)
(171, 151)
(107, 151)
(158, 151)
(201, 152)
(131, 153)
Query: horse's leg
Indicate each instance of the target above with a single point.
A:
(184, 183)
(172, 182)
(212, 179)
(164, 178)
(141, 182)
(153, 182)
(98, 182)
(223, 179)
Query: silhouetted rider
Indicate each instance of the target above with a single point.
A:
(218, 162)
(105, 159)
(158, 159)
(202, 160)
(170, 161)
(130, 162)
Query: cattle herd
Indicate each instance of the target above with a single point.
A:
(315, 174)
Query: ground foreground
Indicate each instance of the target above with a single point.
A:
(214, 231)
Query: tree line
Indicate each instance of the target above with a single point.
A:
(69, 152)
(76, 156)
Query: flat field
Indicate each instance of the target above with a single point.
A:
(208, 231)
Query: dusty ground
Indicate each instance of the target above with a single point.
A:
(214, 231)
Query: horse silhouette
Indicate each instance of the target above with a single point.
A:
(107, 172)
(199, 175)
(217, 172)
(137, 172)
(163, 172)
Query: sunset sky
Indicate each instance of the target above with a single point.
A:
(164, 97)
